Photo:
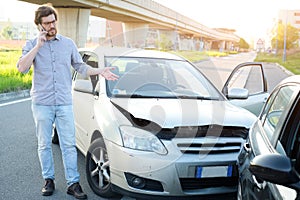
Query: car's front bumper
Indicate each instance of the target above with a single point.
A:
(172, 175)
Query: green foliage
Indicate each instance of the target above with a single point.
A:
(216, 53)
(164, 44)
(292, 62)
(194, 56)
(7, 32)
(292, 35)
(10, 78)
(243, 44)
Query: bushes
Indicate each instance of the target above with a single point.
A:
(10, 78)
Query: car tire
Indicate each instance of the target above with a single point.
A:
(97, 169)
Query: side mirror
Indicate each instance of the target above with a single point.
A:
(275, 168)
(238, 93)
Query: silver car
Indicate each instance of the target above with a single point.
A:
(162, 129)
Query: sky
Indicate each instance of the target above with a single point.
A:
(250, 18)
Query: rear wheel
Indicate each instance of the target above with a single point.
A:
(97, 169)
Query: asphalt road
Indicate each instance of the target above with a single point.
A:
(20, 174)
(218, 69)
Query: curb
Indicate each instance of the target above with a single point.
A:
(14, 95)
(285, 70)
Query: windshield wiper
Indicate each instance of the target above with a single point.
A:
(150, 96)
(197, 97)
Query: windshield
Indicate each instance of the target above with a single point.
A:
(158, 78)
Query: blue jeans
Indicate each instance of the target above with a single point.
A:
(62, 116)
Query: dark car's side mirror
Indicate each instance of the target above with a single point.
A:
(275, 168)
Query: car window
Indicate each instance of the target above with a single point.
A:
(275, 111)
(248, 77)
(295, 150)
(290, 137)
(83, 83)
(162, 78)
(91, 60)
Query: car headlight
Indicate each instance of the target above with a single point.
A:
(135, 138)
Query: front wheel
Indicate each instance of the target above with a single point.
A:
(97, 169)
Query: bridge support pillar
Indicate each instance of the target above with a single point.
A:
(222, 46)
(73, 23)
(229, 46)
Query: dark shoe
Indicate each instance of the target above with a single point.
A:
(49, 187)
(76, 191)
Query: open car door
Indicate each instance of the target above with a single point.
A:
(246, 87)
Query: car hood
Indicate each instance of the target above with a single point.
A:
(170, 113)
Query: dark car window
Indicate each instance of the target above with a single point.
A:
(295, 147)
(92, 60)
(290, 137)
(276, 110)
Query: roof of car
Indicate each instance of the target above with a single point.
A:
(131, 52)
(291, 79)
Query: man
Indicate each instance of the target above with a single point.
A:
(52, 55)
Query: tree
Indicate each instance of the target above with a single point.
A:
(7, 32)
(292, 35)
(243, 44)
(164, 43)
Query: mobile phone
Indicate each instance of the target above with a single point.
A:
(41, 28)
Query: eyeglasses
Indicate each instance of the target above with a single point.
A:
(48, 23)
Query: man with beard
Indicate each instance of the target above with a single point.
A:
(52, 55)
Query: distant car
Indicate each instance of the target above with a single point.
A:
(270, 159)
(162, 129)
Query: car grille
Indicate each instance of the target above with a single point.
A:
(202, 131)
(209, 148)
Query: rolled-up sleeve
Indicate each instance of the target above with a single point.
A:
(77, 62)
(25, 50)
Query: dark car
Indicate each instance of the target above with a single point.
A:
(270, 159)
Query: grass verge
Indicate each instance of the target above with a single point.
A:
(292, 62)
(10, 78)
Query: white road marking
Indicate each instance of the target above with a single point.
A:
(14, 102)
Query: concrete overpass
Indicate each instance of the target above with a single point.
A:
(139, 17)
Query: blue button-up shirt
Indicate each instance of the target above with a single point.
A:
(52, 78)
